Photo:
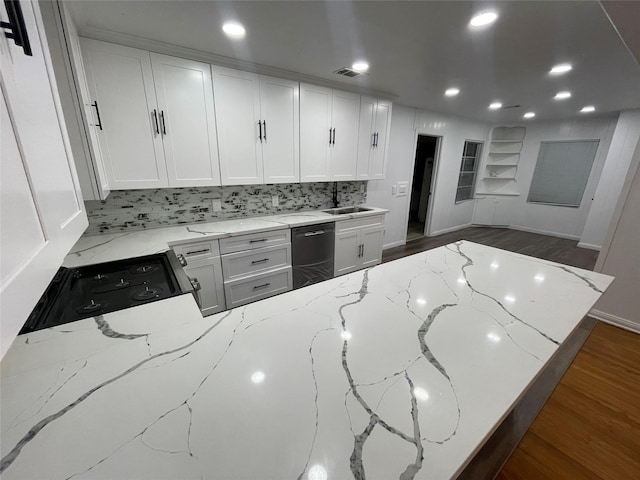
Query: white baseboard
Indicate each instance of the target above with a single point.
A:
(544, 232)
(590, 246)
(615, 320)
(449, 230)
(399, 243)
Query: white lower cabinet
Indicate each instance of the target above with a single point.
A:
(202, 264)
(256, 266)
(358, 244)
(492, 211)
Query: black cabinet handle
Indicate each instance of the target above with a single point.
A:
(373, 139)
(198, 252)
(329, 136)
(261, 286)
(155, 119)
(256, 262)
(334, 136)
(260, 127)
(362, 253)
(16, 26)
(164, 129)
(99, 124)
(258, 240)
(264, 123)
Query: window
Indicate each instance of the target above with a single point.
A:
(468, 167)
(562, 172)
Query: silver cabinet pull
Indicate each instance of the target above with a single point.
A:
(261, 286)
(256, 262)
(182, 260)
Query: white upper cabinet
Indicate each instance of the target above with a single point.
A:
(121, 86)
(258, 127)
(315, 133)
(237, 99)
(375, 122)
(42, 213)
(280, 112)
(187, 121)
(329, 122)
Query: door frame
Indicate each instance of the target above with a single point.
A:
(432, 186)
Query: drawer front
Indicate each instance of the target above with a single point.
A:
(358, 223)
(255, 240)
(207, 248)
(243, 264)
(243, 291)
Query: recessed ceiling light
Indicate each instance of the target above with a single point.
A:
(360, 66)
(234, 30)
(483, 18)
(560, 69)
(529, 115)
(588, 109)
(452, 92)
(562, 95)
(495, 106)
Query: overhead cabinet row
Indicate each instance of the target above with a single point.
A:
(163, 121)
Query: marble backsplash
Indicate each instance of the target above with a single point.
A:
(152, 208)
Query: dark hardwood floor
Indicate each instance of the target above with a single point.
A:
(541, 246)
(589, 428)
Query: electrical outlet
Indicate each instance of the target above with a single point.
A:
(216, 205)
(275, 201)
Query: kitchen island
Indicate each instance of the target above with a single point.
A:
(398, 371)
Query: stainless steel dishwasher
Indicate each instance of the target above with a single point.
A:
(312, 253)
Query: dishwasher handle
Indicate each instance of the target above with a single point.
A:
(313, 234)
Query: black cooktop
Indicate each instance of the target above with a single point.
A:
(77, 293)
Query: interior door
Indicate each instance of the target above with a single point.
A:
(237, 100)
(366, 139)
(280, 108)
(345, 115)
(121, 83)
(187, 121)
(315, 135)
(378, 163)
(42, 214)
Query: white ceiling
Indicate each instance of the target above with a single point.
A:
(416, 49)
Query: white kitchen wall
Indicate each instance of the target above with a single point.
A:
(567, 222)
(406, 124)
(624, 141)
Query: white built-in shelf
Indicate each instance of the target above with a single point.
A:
(499, 174)
(506, 194)
(502, 164)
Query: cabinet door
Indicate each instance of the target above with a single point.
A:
(382, 126)
(346, 258)
(371, 240)
(280, 108)
(42, 213)
(237, 100)
(187, 120)
(345, 115)
(315, 123)
(502, 212)
(208, 272)
(483, 212)
(366, 138)
(121, 82)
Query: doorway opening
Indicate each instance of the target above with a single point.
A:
(426, 151)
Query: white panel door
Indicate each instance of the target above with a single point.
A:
(280, 108)
(346, 258)
(208, 272)
(315, 134)
(187, 121)
(382, 127)
(121, 83)
(237, 100)
(345, 115)
(371, 252)
(366, 139)
(42, 211)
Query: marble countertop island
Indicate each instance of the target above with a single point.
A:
(399, 371)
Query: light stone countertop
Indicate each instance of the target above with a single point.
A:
(400, 371)
(91, 249)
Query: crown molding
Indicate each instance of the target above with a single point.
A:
(212, 58)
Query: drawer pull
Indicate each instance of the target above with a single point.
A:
(196, 252)
(261, 286)
(255, 262)
(258, 240)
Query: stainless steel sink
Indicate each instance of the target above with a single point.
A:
(345, 210)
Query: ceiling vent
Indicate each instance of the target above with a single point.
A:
(348, 72)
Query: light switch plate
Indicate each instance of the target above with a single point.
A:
(216, 204)
(403, 188)
(275, 201)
